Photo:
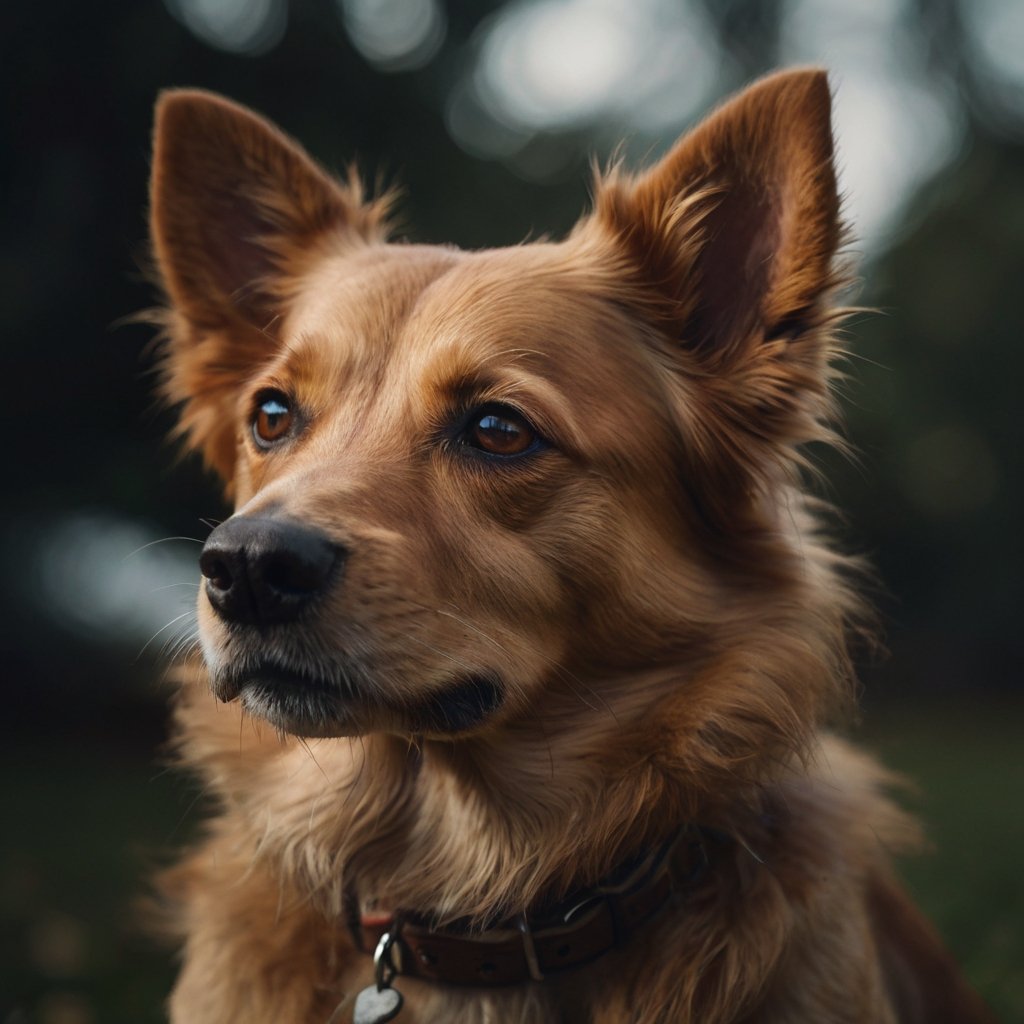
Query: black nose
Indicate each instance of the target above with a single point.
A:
(262, 571)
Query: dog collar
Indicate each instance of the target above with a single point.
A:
(577, 931)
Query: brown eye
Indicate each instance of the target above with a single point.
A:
(272, 420)
(500, 431)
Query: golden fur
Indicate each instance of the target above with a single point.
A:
(652, 586)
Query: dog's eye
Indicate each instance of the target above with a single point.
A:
(499, 430)
(272, 419)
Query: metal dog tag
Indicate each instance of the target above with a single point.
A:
(377, 1005)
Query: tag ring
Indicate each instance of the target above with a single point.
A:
(384, 965)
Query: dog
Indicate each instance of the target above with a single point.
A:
(521, 646)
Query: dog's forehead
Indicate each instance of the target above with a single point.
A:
(355, 300)
(424, 311)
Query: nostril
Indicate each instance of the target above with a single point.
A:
(215, 568)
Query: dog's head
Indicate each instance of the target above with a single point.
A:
(467, 479)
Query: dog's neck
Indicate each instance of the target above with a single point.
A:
(483, 828)
(456, 832)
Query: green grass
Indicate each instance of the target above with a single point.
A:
(89, 824)
(967, 760)
(84, 825)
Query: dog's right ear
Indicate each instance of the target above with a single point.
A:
(238, 211)
(235, 207)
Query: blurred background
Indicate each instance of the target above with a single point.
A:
(487, 114)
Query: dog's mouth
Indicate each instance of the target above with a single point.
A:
(297, 702)
(312, 705)
(459, 707)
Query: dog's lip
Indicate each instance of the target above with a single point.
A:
(297, 701)
(229, 685)
(452, 709)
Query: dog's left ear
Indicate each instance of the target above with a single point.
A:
(730, 241)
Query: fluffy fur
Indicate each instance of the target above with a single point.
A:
(649, 585)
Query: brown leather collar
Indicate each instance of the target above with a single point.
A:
(577, 931)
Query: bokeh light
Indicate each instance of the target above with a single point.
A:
(248, 27)
(394, 35)
(117, 581)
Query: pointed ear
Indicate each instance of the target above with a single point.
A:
(735, 230)
(235, 205)
(238, 212)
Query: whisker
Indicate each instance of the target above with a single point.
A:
(469, 625)
(444, 654)
(171, 586)
(184, 647)
(177, 618)
(161, 540)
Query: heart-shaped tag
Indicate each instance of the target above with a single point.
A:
(376, 1005)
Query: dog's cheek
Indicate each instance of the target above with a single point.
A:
(481, 538)
(504, 587)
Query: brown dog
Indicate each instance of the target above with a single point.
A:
(520, 539)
